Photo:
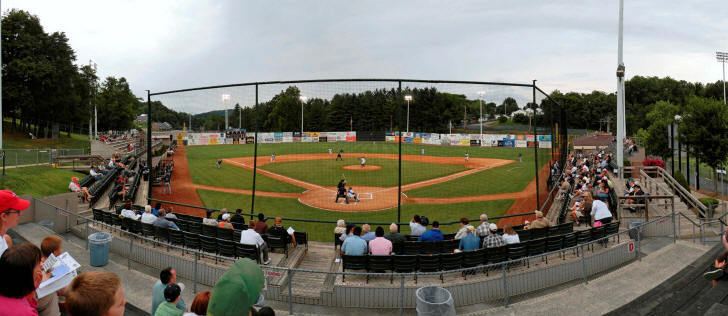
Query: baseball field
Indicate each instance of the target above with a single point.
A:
(299, 180)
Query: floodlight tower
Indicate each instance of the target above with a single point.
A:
(621, 126)
(408, 98)
(225, 97)
(481, 94)
(303, 100)
(722, 58)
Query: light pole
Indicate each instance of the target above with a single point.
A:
(621, 126)
(723, 57)
(96, 116)
(303, 100)
(481, 94)
(225, 97)
(678, 118)
(408, 98)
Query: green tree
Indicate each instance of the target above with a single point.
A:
(705, 129)
(116, 105)
(660, 117)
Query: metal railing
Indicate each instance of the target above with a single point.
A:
(507, 281)
(37, 156)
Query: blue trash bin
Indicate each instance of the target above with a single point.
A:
(98, 246)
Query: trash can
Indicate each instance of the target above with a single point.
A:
(434, 300)
(633, 230)
(98, 246)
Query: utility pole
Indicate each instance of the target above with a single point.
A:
(723, 57)
(96, 115)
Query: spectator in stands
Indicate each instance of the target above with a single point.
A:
(394, 236)
(510, 235)
(74, 186)
(603, 191)
(148, 217)
(719, 269)
(600, 212)
(470, 241)
(416, 227)
(577, 212)
(166, 277)
(169, 213)
(222, 212)
(539, 222)
(380, 246)
(265, 311)
(237, 219)
(463, 231)
(354, 245)
(171, 296)
(48, 305)
(279, 231)
(493, 240)
(20, 267)
(95, 293)
(251, 237)
(157, 207)
(366, 232)
(260, 226)
(433, 234)
(340, 227)
(10, 207)
(484, 227)
(237, 290)
(199, 304)
(208, 220)
(349, 231)
(163, 222)
(129, 212)
(95, 174)
(225, 222)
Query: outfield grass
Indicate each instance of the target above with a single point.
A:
(510, 178)
(204, 171)
(327, 172)
(37, 181)
(291, 208)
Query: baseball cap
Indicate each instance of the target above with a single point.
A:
(493, 226)
(225, 216)
(237, 290)
(9, 200)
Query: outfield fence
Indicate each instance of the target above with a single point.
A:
(503, 282)
(398, 130)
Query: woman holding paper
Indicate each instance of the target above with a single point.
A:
(20, 268)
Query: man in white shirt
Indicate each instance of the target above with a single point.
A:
(416, 228)
(95, 174)
(251, 237)
(148, 217)
(600, 212)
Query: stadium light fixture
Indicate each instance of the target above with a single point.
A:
(481, 95)
(722, 58)
(225, 97)
(303, 100)
(408, 98)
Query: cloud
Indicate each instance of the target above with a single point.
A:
(566, 45)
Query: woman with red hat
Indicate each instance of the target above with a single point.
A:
(10, 207)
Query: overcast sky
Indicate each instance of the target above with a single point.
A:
(566, 45)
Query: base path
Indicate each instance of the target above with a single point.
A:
(183, 191)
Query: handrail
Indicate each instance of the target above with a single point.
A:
(682, 192)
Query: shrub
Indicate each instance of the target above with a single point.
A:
(709, 201)
(520, 118)
(502, 119)
(681, 180)
(654, 161)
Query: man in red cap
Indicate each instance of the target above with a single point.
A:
(10, 207)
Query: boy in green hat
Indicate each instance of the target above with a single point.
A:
(237, 290)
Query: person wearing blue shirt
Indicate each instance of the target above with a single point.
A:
(354, 245)
(156, 208)
(367, 234)
(470, 242)
(433, 234)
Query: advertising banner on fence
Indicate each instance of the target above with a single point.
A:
(205, 138)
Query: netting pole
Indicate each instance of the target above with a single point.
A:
(255, 154)
(535, 145)
(399, 161)
(149, 147)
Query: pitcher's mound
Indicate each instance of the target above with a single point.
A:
(360, 168)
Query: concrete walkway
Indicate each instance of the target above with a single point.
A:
(138, 281)
(612, 290)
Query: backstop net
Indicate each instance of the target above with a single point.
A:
(376, 151)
